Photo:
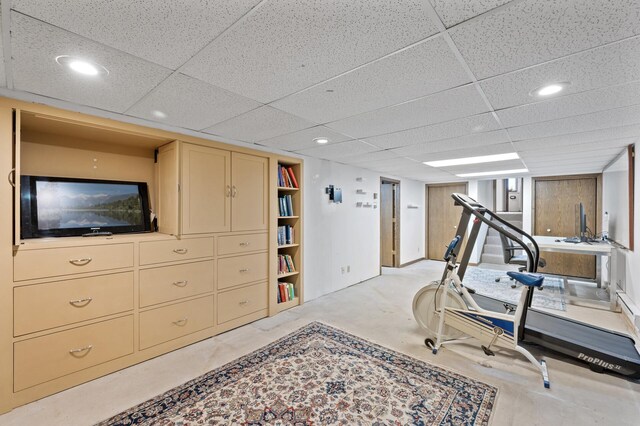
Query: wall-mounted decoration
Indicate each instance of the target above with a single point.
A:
(335, 194)
(360, 179)
(412, 206)
(360, 191)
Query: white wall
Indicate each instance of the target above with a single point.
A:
(633, 257)
(343, 235)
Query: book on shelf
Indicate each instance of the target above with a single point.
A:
(286, 205)
(286, 292)
(285, 264)
(286, 177)
(286, 235)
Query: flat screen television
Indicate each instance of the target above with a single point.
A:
(62, 207)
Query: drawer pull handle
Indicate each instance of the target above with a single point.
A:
(235, 192)
(81, 303)
(80, 352)
(80, 262)
(181, 322)
(181, 251)
(245, 244)
(244, 270)
(182, 283)
(244, 302)
(228, 193)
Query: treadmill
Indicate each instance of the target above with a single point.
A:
(601, 349)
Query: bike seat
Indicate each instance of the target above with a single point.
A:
(527, 278)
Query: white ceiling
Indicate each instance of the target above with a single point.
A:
(390, 83)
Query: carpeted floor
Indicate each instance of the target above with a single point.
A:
(320, 375)
(482, 280)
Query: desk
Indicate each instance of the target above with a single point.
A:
(603, 251)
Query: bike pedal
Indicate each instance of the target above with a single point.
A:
(487, 351)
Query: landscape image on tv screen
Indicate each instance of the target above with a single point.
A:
(87, 205)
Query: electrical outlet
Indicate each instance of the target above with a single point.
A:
(348, 268)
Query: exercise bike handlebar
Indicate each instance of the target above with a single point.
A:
(479, 211)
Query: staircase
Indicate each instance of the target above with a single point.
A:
(492, 249)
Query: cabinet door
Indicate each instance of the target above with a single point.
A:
(168, 184)
(249, 177)
(205, 190)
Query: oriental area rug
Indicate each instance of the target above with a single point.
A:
(319, 375)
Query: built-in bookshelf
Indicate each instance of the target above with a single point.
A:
(288, 286)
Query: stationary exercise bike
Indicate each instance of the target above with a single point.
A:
(448, 312)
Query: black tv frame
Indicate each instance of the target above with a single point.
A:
(29, 209)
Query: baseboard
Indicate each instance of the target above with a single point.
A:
(412, 262)
(630, 311)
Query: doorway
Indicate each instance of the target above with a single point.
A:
(389, 222)
(555, 202)
(443, 218)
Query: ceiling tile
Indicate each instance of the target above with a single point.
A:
(447, 130)
(485, 167)
(575, 104)
(551, 150)
(370, 157)
(463, 142)
(423, 69)
(165, 32)
(605, 66)
(261, 123)
(444, 106)
(580, 123)
(35, 45)
(603, 136)
(282, 47)
(531, 32)
(498, 148)
(596, 164)
(455, 11)
(338, 151)
(304, 139)
(390, 164)
(559, 157)
(191, 103)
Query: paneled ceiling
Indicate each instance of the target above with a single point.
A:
(391, 84)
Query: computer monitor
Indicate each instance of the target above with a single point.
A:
(582, 223)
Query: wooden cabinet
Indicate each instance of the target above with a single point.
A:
(206, 189)
(44, 306)
(45, 358)
(218, 190)
(74, 309)
(249, 177)
(173, 321)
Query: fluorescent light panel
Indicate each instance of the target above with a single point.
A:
(473, 160)
(496, 172)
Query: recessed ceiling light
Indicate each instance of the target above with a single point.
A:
(82, 66)
(550, 89)
(473, 160)
(321, 141)
(158, 114)
(494, 173)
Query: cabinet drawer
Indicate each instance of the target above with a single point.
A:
(235, 244)
(53, 262)
(167, 251)
(169, 283)
(55, 355)
(242, 269)
(241, 301)
(43, 306)
(173, 321)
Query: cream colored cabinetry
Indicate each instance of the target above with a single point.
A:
(73, 309)
(218, 190)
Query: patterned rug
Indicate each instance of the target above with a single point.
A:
(319, 375)
(483, 281)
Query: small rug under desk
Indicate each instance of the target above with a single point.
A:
(320, 375)
(483, 281)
